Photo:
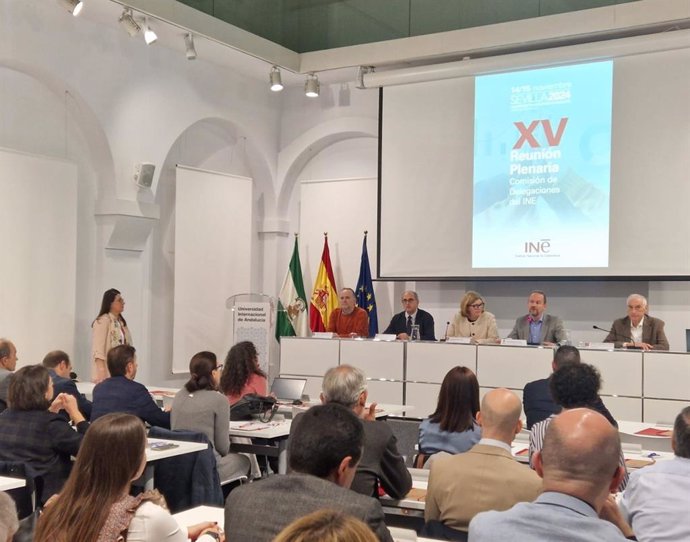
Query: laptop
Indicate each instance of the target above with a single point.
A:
(287, 390)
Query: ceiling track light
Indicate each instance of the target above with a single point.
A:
(149, 35)
(189, 46)
(276, 79)
(73, 6)
(311, 86)
(128, 22)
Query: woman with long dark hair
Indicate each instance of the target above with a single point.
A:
(95, 504)
(452, 427)
(109, 329)
(200, 407)
(242, 374)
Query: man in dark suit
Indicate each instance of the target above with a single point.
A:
(59, 366)
(120, 393)
(536, 397)
(324, 450)
(537, 327)
(638, 329)
(381, 462)
(401, 324)
(8, 363)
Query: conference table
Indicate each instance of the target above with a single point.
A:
(157, 449)
(9, 482)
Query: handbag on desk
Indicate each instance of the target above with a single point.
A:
(252, 405)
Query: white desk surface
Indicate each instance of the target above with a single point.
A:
(182, 448)
(632, 428)
(257, 429)
(382, 409)
(86, 388)
(7, 482)
(200, 513)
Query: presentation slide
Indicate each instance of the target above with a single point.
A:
(542, 167)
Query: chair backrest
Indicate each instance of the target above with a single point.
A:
(437, 530)
(187, 480)
(24, 497)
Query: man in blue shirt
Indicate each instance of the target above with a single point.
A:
(537, 327)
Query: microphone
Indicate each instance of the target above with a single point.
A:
(73, 375)
(616, 335)
(445, 335)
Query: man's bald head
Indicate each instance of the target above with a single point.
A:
(581, 448)
(500, 415)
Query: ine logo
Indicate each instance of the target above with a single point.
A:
(543, 246)
(527, 133)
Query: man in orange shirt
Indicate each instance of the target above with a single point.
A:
(349, 320)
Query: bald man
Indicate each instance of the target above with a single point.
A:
(401, 324)
(638, 330)
(487, 477)
(349, 320)
(579, 468)
(8, 363)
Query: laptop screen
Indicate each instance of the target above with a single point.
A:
(288, 388)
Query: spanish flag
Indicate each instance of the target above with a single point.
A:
(324, 299)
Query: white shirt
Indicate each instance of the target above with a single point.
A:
(152, 523)
(414, 317)
(636, 331)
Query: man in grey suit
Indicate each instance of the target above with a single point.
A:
(8, 363)
(324, 450)
(579, 468)
(537, 327)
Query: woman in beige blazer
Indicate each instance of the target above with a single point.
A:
(473, 321)
(109, 329)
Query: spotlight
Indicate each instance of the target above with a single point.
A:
(189, 46)
(149, 35)
(128, 22)
(73, 6)
(276, 80)
(311, 87)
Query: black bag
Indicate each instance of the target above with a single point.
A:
(253, 405)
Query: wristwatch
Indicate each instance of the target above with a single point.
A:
(213, 534)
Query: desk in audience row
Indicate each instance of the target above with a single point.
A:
(637, 386)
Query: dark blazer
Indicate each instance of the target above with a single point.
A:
(120, 394)
(424, 320)
(66, 385)
(381, 462)
(652, 333)
(536, 399)
(552, 329)
(44, 441)
(257, 512)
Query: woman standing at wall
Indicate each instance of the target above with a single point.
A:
(109, 329)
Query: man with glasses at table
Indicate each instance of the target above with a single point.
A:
(401, 324)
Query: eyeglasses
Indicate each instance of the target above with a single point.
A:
(408, 300)
(219, 367)
(477, 305)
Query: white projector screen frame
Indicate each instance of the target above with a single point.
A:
(426, 172)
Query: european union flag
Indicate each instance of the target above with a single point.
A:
(365, 290)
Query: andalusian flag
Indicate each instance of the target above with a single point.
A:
(292, 302)
(365, 290)
(324, 300)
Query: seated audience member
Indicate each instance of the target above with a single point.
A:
(32, 433)
(487, 477)
(200, 407)
(578, 470)
(656, 499)
(573, 386)
(326, 526)
(324, 450)
(96, 503)
(8, 363)
(452, 427)
(241, 373)
(401, 323)
(59, 366)
(536, 396)
(349, 320)
(120, 393)
(638, 329)
(537, 327)
(473, 321)
(8, 518)
(381, 462)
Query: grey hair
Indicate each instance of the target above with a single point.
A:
(343, 385)
(638, 296)
(8, 517)
(5, 349)
(414, 294)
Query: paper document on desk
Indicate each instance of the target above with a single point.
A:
(250, 426)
